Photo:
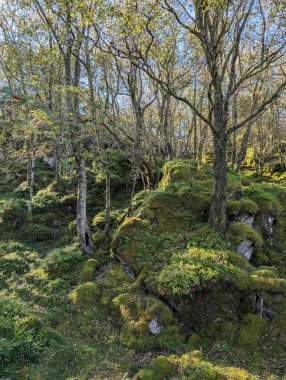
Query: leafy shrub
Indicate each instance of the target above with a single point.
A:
(13, 262)
(22, 190)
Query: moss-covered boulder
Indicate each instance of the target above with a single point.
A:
(175, 254)
(138, 312)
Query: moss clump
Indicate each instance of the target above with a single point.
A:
(13, 263)
(177, 170)
(125, 242)
(160, 369)
(240, 231)
(62, 260)
(13, 214)
(88, 270)
(264, 196)
(45, 200)
(113, 281)
(191, 366)
(266, 278)
(68, 202)
(249, 206)
(99, 219)
(98, 237)
(137, 311)
(34, 232)
(251, 332)
(197, 268)
(85, 295)
(233, 207)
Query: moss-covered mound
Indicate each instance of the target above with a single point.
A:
(177, 256)
(190, 366)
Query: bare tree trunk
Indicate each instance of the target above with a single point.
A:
(82, 227)
(107, 200)
(243, 147)
(30, 181)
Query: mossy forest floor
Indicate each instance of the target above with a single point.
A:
(64, 316)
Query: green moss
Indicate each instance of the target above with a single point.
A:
(45, 200)
(177, 170)
(160, 369)
(136, 312)
(264, 196)
(13, 214)
(34, 232)
(13, 263)
(88, 270)
(69, 201)
(251, 332)
(85, 295)
(197, 268)
(240, 231)
(98, 237)
(233, 207)
(249, 206)
(62, 260)
(113, 281)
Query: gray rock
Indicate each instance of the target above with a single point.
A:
(246, 248)
(246, 218)
(155, 327)
(50, 161)
(130, 272)
(264, 223)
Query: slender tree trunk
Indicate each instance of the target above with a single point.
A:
(107, 200)
(82, 227)
(31, 180)
(243, 147)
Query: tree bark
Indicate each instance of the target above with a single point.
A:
(217, 216)
(82, 227)
(30, 181)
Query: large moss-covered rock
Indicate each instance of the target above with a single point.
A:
(176, 255)
(137, 312)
